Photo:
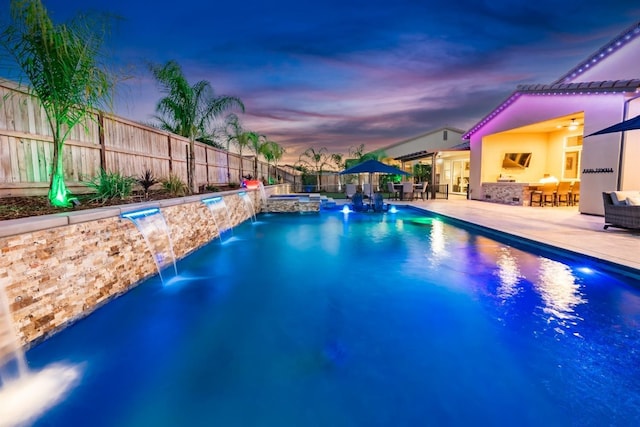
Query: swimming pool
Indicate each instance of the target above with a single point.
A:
(355, 319)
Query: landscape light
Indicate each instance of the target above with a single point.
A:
(138, 214)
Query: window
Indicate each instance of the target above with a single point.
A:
(445, 135)
(571, 157)
(574, 141)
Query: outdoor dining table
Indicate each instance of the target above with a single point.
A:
(398, 188)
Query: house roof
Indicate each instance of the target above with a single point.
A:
(602, 87)
(564, 85)
(431, 132)
(464, 146)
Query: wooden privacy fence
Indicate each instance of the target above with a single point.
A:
(107, 142)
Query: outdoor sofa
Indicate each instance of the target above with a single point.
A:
(621, 209)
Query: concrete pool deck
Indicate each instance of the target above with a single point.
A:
(560, 227)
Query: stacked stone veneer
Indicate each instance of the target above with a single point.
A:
(292, 205)
(508, 193)
(55, 274)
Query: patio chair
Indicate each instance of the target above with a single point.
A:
(393, 194)
(407, 189)
(575, 193)
(424, 194)
(563, 193)
(350, 190)
(357, 203)
(366, 190)
(378, 203)
(544, 195)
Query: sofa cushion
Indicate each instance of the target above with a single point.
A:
(619, 198)
(633, 201)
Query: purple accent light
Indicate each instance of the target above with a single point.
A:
(625, 37)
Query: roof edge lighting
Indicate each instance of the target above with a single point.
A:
(618, 42)
(563, 89)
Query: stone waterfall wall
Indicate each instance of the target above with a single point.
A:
(59, 268)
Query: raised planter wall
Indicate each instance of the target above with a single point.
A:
(56, 269)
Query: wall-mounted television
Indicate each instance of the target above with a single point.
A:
(516, 160)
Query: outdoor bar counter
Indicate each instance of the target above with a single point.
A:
(508, 193)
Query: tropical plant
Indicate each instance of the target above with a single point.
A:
(231, 121)
(111, 185)
(315, 161)
(272, 152)
(241, 138)
(62, 64)
(356, 152)
(188, 110)
(338, 160)
(174, 185)
(146, 180)
(210, 140)
(421, 172)
(257, 146)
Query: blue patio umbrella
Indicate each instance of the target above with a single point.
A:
(630, 124)
(373, 166)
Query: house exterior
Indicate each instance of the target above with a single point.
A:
(544, 128)
(442, 146)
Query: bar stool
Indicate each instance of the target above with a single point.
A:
(545, 195)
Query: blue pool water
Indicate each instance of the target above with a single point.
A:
(358, 320)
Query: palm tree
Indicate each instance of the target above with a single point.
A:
(257, 146)
(62, 64)
(338, 161)
(316, 161)
(241, 138)
(187, 110)
(272, 152)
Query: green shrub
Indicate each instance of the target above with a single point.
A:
(174, 185)
(111, 185)
(234, 185)
(211, 188)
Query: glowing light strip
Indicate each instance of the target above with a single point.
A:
(548, 92)
(242, 193)
(138, 214)
(607, 50)
(211, 200)
(601, 54)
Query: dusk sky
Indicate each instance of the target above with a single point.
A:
(338, 74)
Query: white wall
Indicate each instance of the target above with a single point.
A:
(630, 170)
(498, 144)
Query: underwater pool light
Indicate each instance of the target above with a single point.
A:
(423, 221)
(345, 209)
(392, 209)
(586, 270)
(138, 214)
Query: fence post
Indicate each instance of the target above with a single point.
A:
(103, 149)
(170, 155)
